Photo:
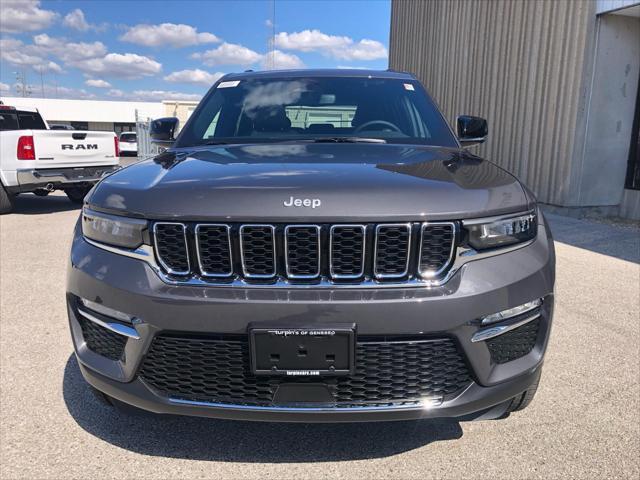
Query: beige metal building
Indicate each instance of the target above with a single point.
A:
(556, 80)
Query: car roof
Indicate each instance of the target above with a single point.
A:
(326, 72)
(19, 109)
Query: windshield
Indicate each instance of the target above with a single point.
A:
(259, 110)
(17, 120)
(128, 137)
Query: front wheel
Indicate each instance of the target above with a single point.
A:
(6, 201)
(77, 194)
(523, 400)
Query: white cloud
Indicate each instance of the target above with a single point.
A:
(19, 16)
(68, 52)
(340, 47)
(151, 95)
(164, 95)
(350, 67)
(48, 67)
(197, 76)
(97, 83)
(278, 60)
(167, 35)
(16, 53)
(39, 90)
(310, 40)
(75, 19)
(128, 65)
(5, 87)
(228, 54)
(363, 50)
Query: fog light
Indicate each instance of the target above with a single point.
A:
(106, 311)
(511, 312)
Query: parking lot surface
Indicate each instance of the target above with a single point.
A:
(583, 423)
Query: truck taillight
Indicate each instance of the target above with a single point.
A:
(117, 145)
(26, 149)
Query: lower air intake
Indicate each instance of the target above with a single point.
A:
(216, 370)
(514, 344)
(102, 341)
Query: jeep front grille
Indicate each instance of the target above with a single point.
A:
(389, 371)
(305, 254)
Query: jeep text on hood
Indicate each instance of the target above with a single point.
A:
(388, 182)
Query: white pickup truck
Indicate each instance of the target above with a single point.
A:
(38, 160)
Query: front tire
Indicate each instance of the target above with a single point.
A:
(102, 398)
(6, 201)
(523, 400)
(77, 194)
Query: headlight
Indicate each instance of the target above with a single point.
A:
(502, 232)
(113, 230)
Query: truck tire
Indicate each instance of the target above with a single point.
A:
(6, 201)
(77, 194)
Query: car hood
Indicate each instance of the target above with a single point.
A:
(380, 182)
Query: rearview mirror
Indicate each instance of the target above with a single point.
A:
(163, 131)
(471, 130)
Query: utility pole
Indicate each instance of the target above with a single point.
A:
(42, 82)
(22, 87)
(271, 42)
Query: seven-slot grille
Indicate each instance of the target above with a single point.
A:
(302, 253)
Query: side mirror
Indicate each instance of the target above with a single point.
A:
(163, 131)
(471, 130)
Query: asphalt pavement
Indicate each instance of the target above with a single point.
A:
(583, 423)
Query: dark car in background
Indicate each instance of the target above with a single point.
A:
(313, 246)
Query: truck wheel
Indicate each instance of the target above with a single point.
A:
(6, 201)
(77, 194)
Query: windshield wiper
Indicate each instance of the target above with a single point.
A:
(214, 142)
(347, 140)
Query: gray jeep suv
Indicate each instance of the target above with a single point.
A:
(313, 246)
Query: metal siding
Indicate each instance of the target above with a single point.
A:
(498, 59)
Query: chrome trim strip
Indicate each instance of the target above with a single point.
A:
(430, 274)
(203, 272)
(114, 327)
(363, 228)
(382, 276)
(143, 252)
(497, 330)
(186, 247)
(428, 403)
(286, 252)
(498, 218)
(273, 242)
(463, 256)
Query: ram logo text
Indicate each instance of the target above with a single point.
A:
(302, 202)
(80, 146)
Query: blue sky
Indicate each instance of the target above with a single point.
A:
(153, 50)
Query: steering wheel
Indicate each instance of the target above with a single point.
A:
(377, 122)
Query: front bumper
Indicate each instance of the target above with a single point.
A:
(31, 179)
(451, 311)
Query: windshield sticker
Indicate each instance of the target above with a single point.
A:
(229, 84)
(408, 86)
